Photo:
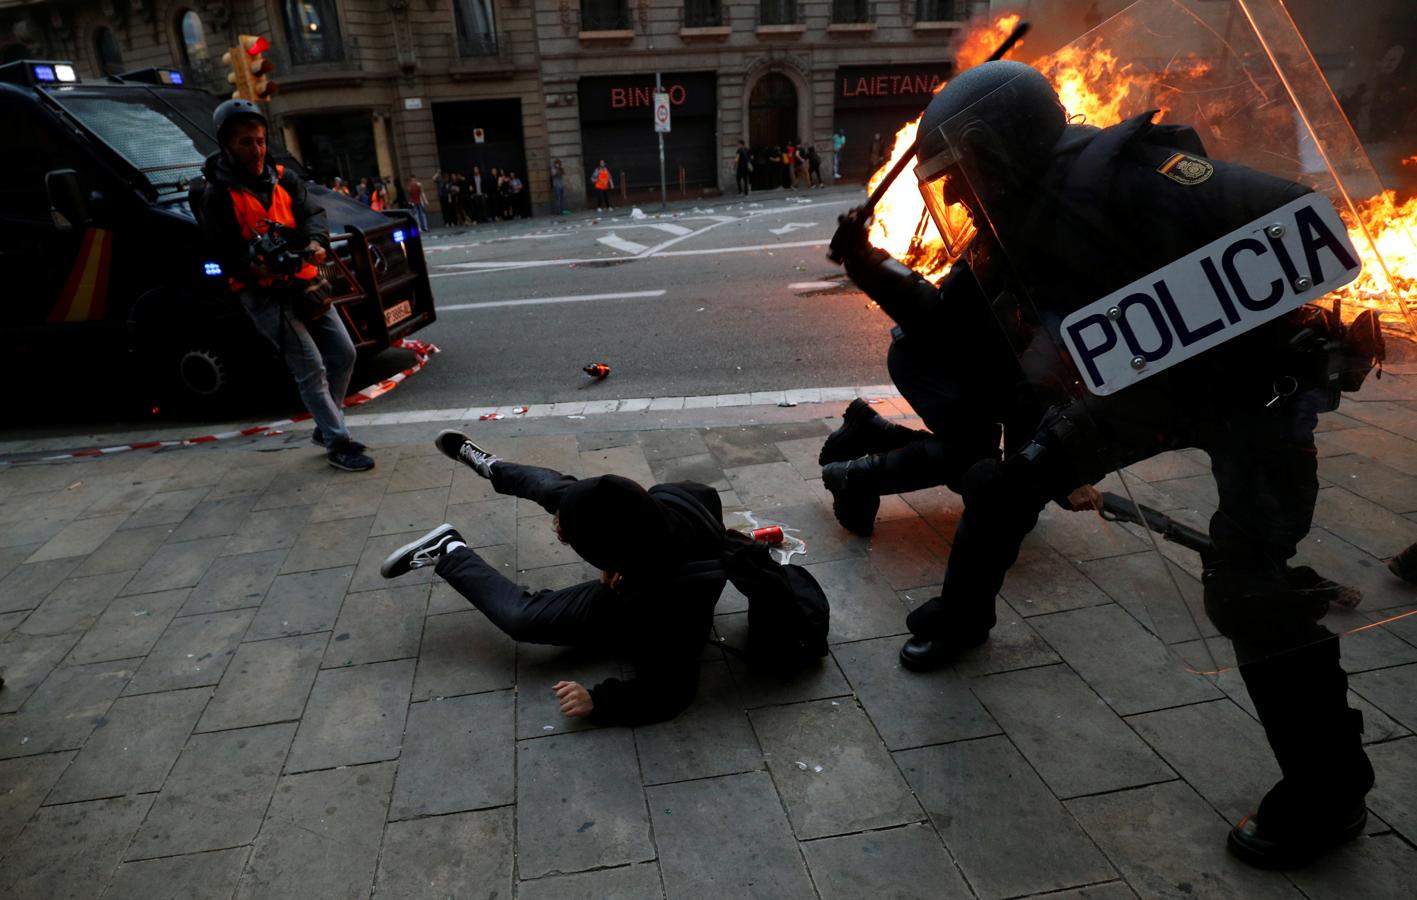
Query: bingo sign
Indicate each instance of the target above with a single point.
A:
(661, 112)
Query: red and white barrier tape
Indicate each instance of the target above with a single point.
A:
(422, 351)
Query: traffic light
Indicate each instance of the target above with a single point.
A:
(262, 88)
(240, 75)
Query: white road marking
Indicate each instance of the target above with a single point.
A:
(835, 396)
(536, 301)
(614, 240)
(785, 245)
(813, 285)
(671, 228)
(792, 226)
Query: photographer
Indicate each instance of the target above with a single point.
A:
(269, 239)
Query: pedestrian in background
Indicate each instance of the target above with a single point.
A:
(558, 188)
(603, 183)
(418, 203)
(339, 187)
(362, 195)
(742, 168)
(379, 198)
(789, 166)
(476, 189)
(519, 203)
(658, 551)
(814, 168)
(877, 153)
(838, 141)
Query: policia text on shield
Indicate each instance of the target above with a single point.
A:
(1256, 273)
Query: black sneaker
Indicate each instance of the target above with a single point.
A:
(317, 437)
(343, 456)
(426, 551)
(456, 446)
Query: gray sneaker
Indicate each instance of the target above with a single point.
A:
(426, 551)
(455, 445)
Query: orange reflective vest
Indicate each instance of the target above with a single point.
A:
(376, 201)
(602, 179)
(251, 218)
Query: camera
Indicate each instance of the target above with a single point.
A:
(279, 250)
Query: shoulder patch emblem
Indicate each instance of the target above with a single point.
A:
(1183, 168)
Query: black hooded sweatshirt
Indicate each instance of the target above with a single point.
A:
(667, 544)
(218, 216)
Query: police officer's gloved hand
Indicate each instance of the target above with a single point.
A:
(850, 243)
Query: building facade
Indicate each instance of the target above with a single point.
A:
(399, 88)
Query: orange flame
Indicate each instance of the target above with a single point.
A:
(1093, 87)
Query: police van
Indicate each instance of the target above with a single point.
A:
(100, 251)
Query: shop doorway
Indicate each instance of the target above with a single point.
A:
(772, 123)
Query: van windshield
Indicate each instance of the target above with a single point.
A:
(162, 143)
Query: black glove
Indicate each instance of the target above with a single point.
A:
(850, 240)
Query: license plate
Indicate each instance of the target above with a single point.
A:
(1254, 274)
(397, 313)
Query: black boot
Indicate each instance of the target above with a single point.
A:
(864, 431)
(857, 486)
(855, 500)
(1301, 697)
(941, 631)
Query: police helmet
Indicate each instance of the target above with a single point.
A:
(1005, 106)
(989, 130)
(232, 111)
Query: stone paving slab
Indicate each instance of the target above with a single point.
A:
(211, 692)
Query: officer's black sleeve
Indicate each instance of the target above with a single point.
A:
(309, 216)
(906, 297)
(223, 234)
(664, 685)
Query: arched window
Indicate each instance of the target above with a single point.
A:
(105, 50)
(312, 27)
(196, 59)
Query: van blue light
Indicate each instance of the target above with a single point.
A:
(211, 268)
(44, 73)
(399, 235)
(175, 78)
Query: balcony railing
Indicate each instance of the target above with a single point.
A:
(704, 14)
(938, 11)
(602, 16)
(292, 59)
(778, 12)
(851, 12)
(326, 47)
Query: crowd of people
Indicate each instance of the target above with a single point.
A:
(791, 167)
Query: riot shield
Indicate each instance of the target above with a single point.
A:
(1196, 282)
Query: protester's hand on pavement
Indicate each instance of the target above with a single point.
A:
(575, 700)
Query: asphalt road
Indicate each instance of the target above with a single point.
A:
(714, 298)
(704, 300)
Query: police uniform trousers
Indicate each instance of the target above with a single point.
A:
(1265, 466)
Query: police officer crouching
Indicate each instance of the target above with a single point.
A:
(272, 269)
(1066, 215)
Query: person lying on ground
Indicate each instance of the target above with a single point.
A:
(658, 551)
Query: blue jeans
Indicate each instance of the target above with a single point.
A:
(319, 354)
(420, 215)
(558, 198)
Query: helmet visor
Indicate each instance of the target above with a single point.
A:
(952, 218)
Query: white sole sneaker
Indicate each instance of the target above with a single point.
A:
(403, 560)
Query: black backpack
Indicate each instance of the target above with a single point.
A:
(788, 612)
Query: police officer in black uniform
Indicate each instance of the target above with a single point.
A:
(1067, 214)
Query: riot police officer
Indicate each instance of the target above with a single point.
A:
(1066, 214)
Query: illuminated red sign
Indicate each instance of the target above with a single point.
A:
(636, 97)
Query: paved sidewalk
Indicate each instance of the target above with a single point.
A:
(212, 693)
